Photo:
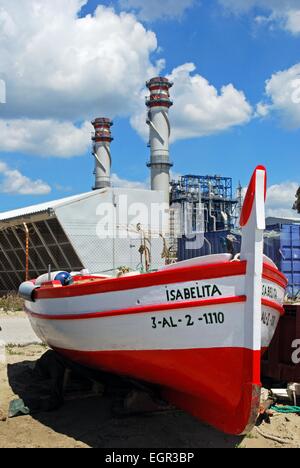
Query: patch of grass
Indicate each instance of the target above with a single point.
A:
(43, 345)
(251, 436)
(11, 350)
(19, 350)
(11, 302)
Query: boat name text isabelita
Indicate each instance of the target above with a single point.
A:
(196, 292)
(268, 291)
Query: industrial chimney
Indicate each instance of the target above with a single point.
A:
(158, 120)
(101, 150)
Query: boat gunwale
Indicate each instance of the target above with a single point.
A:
(157, 278)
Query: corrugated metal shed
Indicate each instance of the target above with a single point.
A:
(89, 231)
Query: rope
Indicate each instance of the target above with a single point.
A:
(274, 438)
(286, 409)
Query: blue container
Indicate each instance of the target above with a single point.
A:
(283, 249)
(211, 243)
(290, 252)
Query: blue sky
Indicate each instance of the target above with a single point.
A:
(56, 85)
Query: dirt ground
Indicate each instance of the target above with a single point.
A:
(10, 314)
(89, 422)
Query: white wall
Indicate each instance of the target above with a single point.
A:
(98, 227)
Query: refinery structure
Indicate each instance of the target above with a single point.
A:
(91, 231)
(211, 196)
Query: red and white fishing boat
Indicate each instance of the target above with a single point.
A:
(196, 328)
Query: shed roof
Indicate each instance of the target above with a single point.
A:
(43, 207)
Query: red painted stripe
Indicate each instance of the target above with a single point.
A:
(250, 196)
(100, 138)
(215, 385)
(160, 86)
(178, 275)
(275, 275)
(273, 305)
(140, 310)
(275, 280)
(160, 104)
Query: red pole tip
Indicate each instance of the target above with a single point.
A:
(250, 196)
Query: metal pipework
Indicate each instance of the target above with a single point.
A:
(159, 104)
(101, 151)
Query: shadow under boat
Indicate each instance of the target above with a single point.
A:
(104, 410)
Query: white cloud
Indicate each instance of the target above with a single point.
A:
(2, 92)
(293, 21)
(157, 9)
(72, 69)
(283, 93)
(45, 137)
(280, 200)
(199, 108)
(175, 175)
(128, 184)
(16, 183)
(262, 109)
(61, 68)
(284, 13)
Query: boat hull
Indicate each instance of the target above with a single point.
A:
(192, 336)
(211, 384)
